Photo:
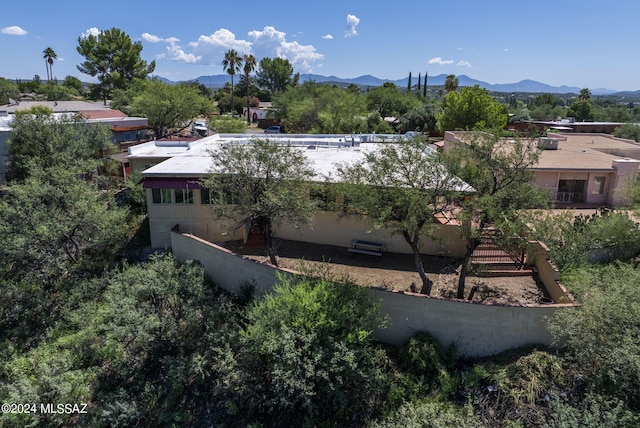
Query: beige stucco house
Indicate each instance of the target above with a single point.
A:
(591, 169)
(176, 195)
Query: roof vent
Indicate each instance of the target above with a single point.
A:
(546, 143)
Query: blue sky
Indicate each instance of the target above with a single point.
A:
(587, 43)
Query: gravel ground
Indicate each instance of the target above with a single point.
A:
(397, 272)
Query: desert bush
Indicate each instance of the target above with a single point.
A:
(307, 356)
(601, 338)
(430, 414)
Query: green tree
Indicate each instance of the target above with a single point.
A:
(255, 92)
(582, 110)
(266, 181)
(546, 99)
(39, 141)
(58, 92)
(500, 170)
(114, 58)
(8, 89)
(629, 131)
(74, 83)
(451, 83)
(49, 56)
(276, 74)
(169, 108)
(320, 108)
(34, 85)
(424, 87)
(249, 66)
(409, 83)
(55, 224)
(585, 94)
(603, 236)
(421, 119)
(121, 99)
(402, 187)
(388, 101)
(307, 356)
(231, 64)
(471, 108)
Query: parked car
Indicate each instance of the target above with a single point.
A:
(274, 130)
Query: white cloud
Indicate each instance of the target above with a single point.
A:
(267, 42)
(506, 49)
(352, 23)
(151, 38)
(439, 61)
(93, 31)
(14, 30)
(464, 63)
(327, 37)
(176, 53)
(273, 43)
(222, 39)
(207, 49)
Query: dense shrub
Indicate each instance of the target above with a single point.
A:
(602, 337)
(307, 356)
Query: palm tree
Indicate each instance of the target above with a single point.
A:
(231, 64)
(585, 94)
(451, 83)
(249, 66)
(49, 56)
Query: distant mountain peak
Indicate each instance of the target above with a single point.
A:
(526, 85)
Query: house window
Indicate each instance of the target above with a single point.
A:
(205, 196)
(184, 196)
(161, 196)
(598, 185)
(218, 195)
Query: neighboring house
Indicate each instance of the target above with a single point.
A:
(577, 168)
(125, 129)
(261, 112)
(5, 130)
(144, 156)
(176, 196)
(566, 125)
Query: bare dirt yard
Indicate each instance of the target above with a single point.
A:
(395, 271)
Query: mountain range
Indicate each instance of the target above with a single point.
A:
(531, 86)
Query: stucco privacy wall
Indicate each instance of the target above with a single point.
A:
(548, 272)
(333, 228)
(228, 270)
(477, 330)
(327, 228)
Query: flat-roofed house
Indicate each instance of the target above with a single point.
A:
(591, 169)
(176, 196)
